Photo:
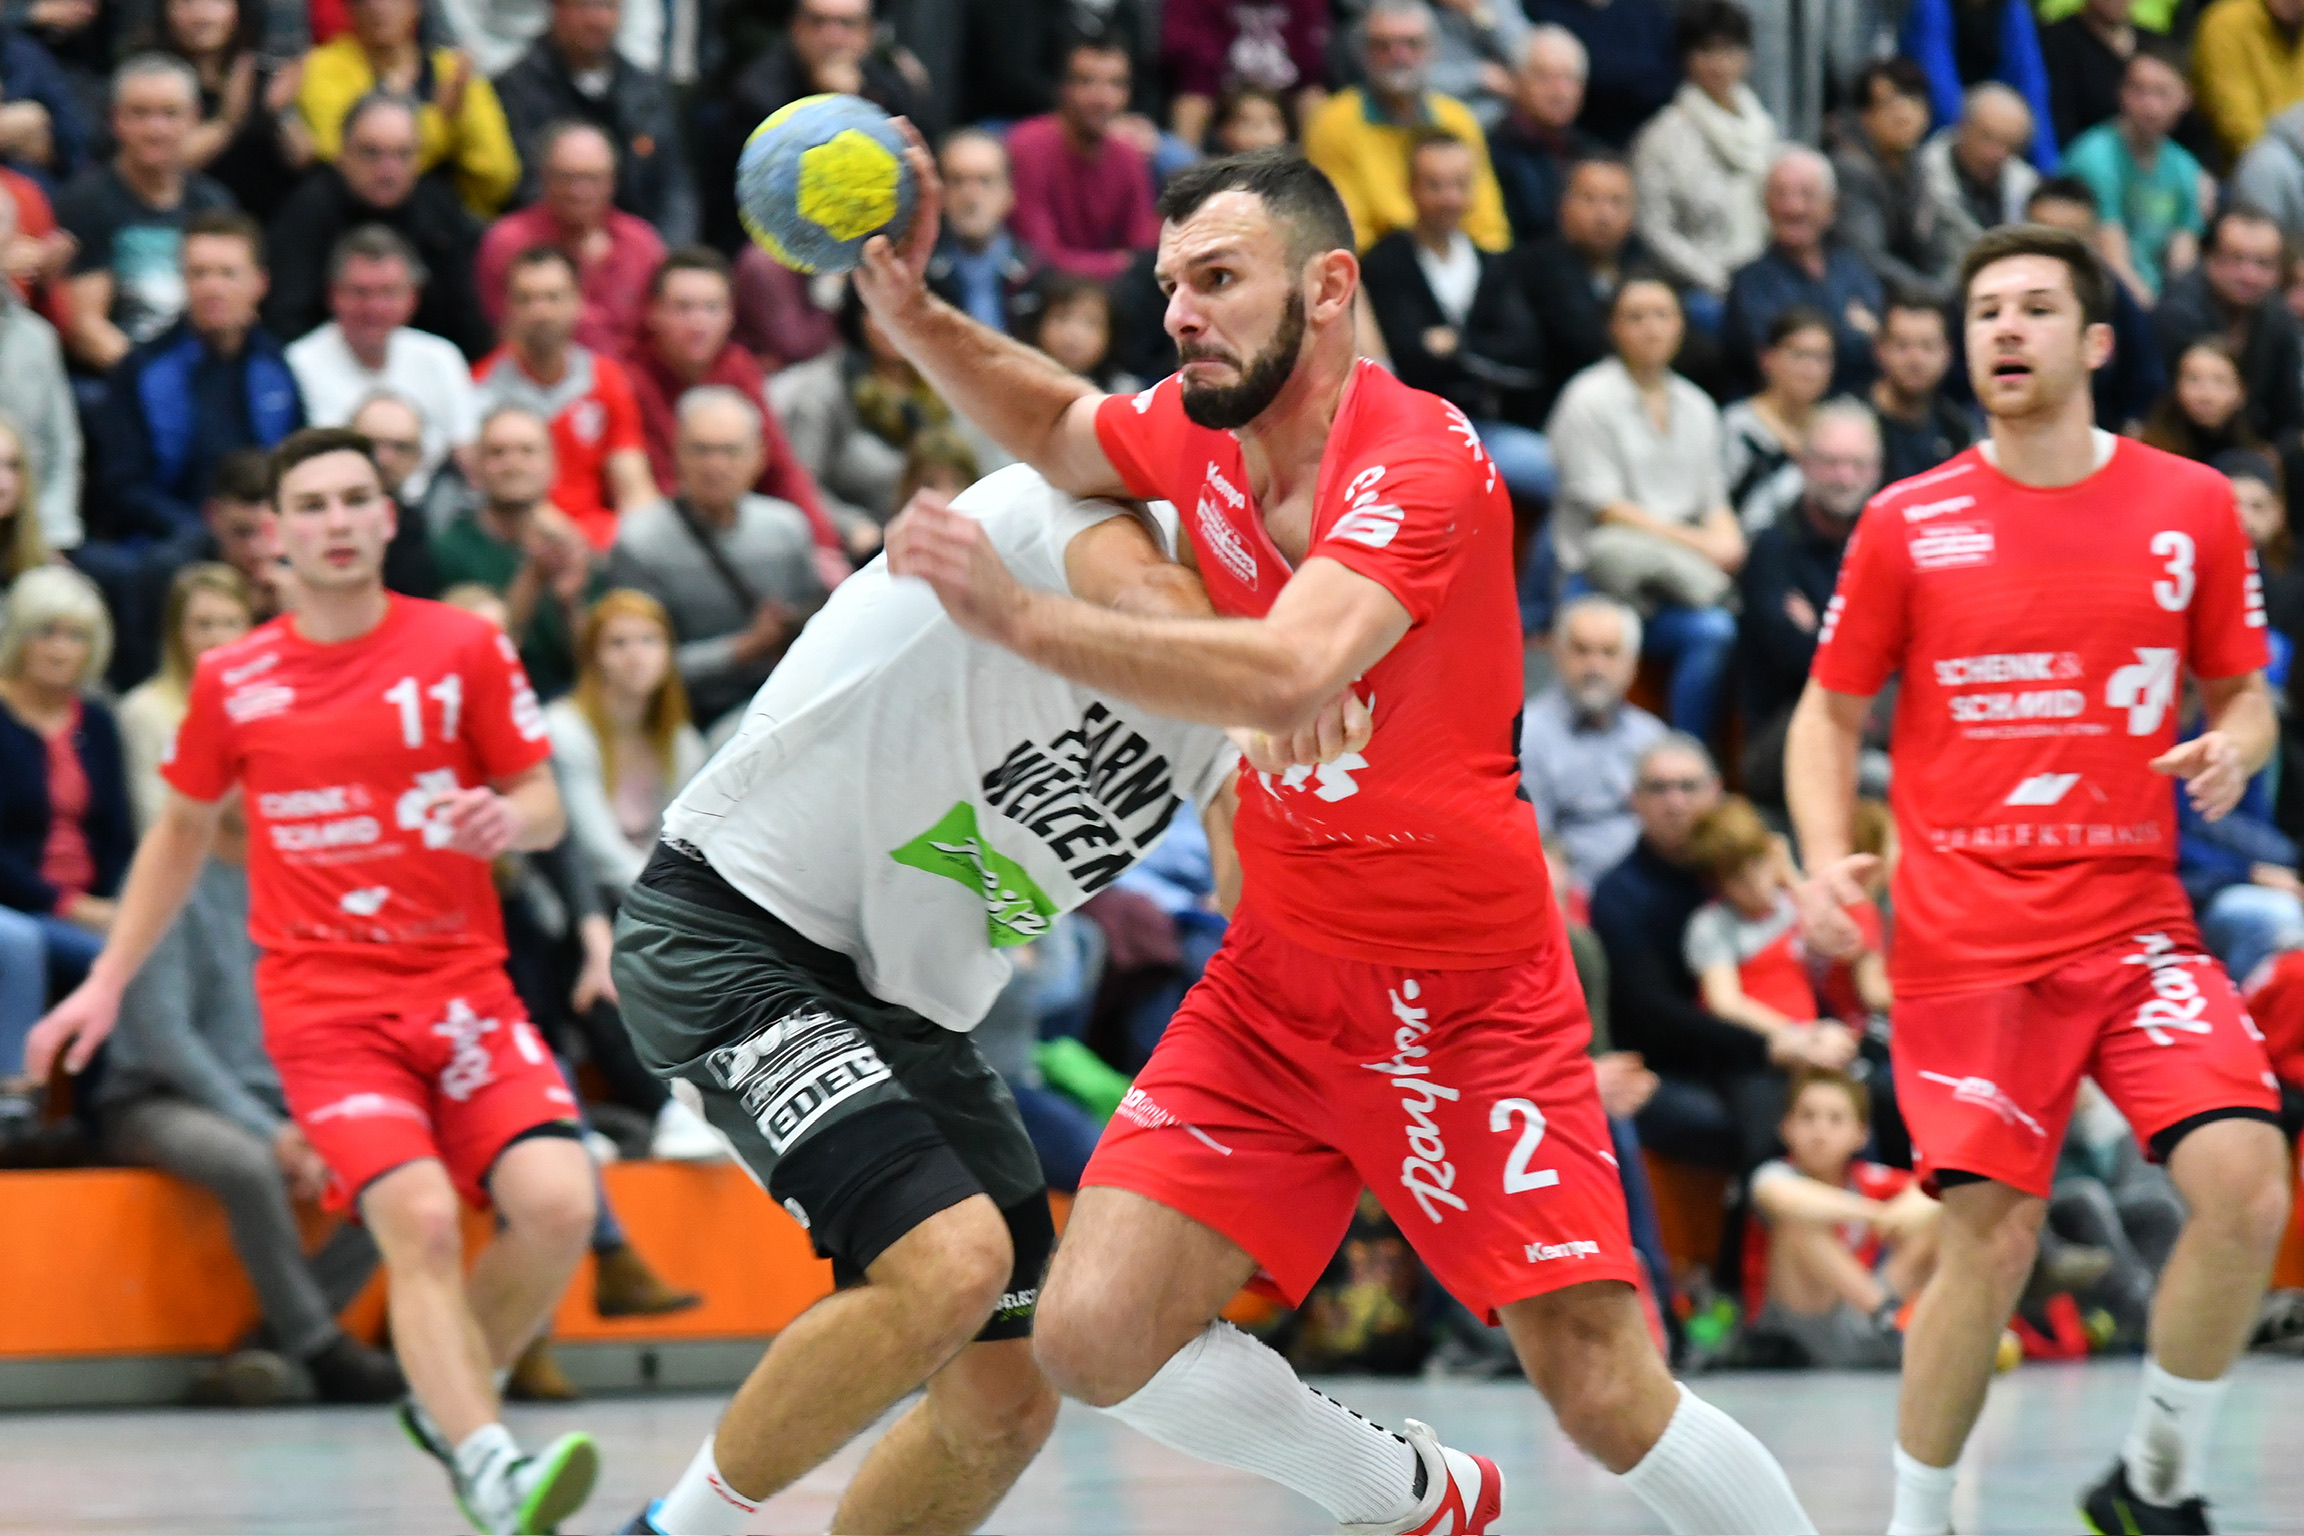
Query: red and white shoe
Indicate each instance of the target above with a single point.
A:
(1463, 1493)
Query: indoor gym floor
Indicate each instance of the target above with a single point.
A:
(2048, 1429)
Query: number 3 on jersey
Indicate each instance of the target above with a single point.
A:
(2177, 549)
(448, 692)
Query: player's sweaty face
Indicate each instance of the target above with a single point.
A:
(2027, 343)
(334, 521)
(1230, 287)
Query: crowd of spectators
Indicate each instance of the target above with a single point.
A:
(1685, 268)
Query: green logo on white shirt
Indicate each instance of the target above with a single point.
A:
(1016, 910)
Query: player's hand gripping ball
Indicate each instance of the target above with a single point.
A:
(821, 177)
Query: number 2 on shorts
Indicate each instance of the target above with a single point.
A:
(1518, 1177)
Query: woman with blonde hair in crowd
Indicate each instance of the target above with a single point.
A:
(208, 605)
(22, 544)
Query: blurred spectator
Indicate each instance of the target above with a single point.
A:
(622, 743)
(1581, 743)
(1538, 143)
(979, 267)
(1456, 319)
(614, 253)
(43, 134)
(460, 124)
(36, 399)
(734, 569)
(1573, 276)
(1718, 1099)
(374, 181)
(126, 282)
(1701, 162)
(1361, 136)
(1919, 427)
(2204, 414)
(1475, 45)
(235, 519)
(576, 72)
(22, 544)
(1074, 327)
(1841, 1244)
(519, 545)
(2234, 293)
(1015, 52)
(689, 315)
(498, 34)
(1207, 46)
(1642, 513)
(1788, 579)
(188, 1087)
(1249, 118)
(1634, 69)
(2257, 490)
(65, 834)
(827, 47)
(1743, 946)
(1807, 56)
(250, 140)
(596, 438)
(1761, 435)
(2271, 174)
(396, 428)
(939, 460)
(1963, 44)
(1804, 265)
(1974, 170)
(777, 317)
(2126, 386)
(2086, 55)
(373, 279)
(2241, 872)
(1889, 214)
(35, 254)
(2149, 190)
(2248, 66)
(1083, 193)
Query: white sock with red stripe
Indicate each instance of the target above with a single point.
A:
(1227, 1399)
(702, 1503)
(2167, 1447)
(1708, 1473)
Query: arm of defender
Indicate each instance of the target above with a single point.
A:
(1820, 752)
(166, 864)
(2217, 764)
(1223, 858)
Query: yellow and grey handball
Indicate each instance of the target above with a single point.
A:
(822, 176)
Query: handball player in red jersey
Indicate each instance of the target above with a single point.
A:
(1394, 1005)
(2044, 595)
(386, 750)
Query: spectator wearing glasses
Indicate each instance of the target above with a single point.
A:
(582, 69)
(1083, 190)
(2235, 292)
(614, 252)
(398, 430)
(980, 266)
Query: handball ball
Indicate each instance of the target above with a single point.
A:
(821, 177)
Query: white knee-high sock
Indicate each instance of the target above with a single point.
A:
(1923, 1497)
(2167, 1449)
(702, 1503)
(1709, 1474)
(1227, 1399)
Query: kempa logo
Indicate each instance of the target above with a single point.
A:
(1016, 910)
(1922, 511)
(1574, 1248)
(2042, 789)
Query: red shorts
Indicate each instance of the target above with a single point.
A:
(452, 1077)
(1465, 1100)
(1986, 1079)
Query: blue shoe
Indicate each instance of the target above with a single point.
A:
(644, 1523)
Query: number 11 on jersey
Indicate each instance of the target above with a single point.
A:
(449, 692)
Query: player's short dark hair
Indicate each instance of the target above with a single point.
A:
(228, 224)
(1900, 74)
(1295, 192)
(2091, 280)
(243, 475)
(1794, 319)
(1859, 1098)
(313, 443)
(1704, 24)
(543, 256)
(2064, 188)
(688, 258)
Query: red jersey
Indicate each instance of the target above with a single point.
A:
(1871, 1181)
(592, 414)
(1418, 850)
(342, 751)
(2042, 636)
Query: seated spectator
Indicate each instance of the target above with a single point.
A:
(1965, 44)
(516, 543)
(1473, 50)
(2086, 55)
(1889, 214)
(584, 394)
(2204, 414)
(1761, 435)
(733, 568)
(1804, 265)
(2148, 188)
(188, 1088)
(65, 834)
(577, 73)
(1361, 137)
(1538, 143)
(1074, 326)
(1744, 947)
(1642, 513)
(1573, 276)
(1974, 171)
(1083, 193)
(236, 527)
(2234, 293)
(2248, 66)
(374, 181)
(36, 400)
(395, 427)
(2240, 871)
(126, 281)
(2126, 386)
(1456, 319)
(374, 277)
(23, 543)
(1841, 1244)
(1701, 163)
(940, 461)
(2258, 492)
(614, 252)
(1210, 49)
(1249, 118)
(35, 254)
(979, 267)
(250, 141)
(2271, 175)
(459, 122)
(1919, 426)
(690, 313)
(622, 743)
(1581, 742)
(1634, 68)
(777, 317)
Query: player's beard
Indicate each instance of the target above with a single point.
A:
(1231, 407)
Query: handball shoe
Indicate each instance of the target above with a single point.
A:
(644, 1523)
(531, 1495)
(2113, 1508)
(1463, 1493)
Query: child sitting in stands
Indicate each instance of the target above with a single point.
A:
(1744, 945)
(1839, 1243)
